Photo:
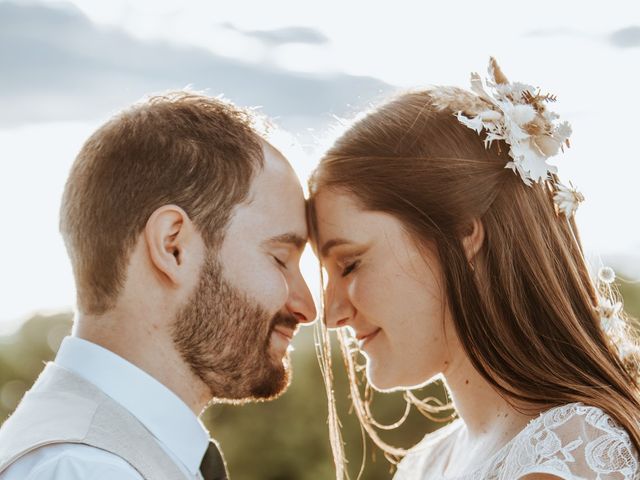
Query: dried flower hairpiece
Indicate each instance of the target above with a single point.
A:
(612, 318)
(515, 113)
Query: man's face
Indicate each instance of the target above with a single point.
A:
(235, 330)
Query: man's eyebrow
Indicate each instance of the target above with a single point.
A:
(294, 239)
(329, 244)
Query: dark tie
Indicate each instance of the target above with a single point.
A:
(212, 466)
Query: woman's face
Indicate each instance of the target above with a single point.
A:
(386, 289)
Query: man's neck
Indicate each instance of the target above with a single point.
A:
(144, 345)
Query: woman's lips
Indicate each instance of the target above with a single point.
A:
(363, 340)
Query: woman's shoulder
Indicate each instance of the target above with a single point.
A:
(572, 441)
(427, 452)
(585, 422)
(437, 437)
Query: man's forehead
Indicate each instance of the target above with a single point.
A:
(274, 210)
(274, 218)
(274, 160)
(269, 150)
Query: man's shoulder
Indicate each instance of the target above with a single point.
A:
(70, 461)
(45, 417)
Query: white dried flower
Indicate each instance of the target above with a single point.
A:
(515, 113)
(607, 309)
(610, 315)
(532, 162)
(563, 131)
(627, 348)
(475, 123)
(607, 275)
(490, 116)
(567, 199)
(520, 114)
(547, 144)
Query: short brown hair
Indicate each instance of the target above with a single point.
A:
(182, 148)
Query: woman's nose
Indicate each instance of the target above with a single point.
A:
(338, 310)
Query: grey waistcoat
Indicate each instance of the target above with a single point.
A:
(62, 407)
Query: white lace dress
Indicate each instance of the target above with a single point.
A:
(573, 442)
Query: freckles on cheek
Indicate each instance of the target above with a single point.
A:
(374, 299)
(362, 294)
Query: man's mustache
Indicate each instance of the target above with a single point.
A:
(284, 319)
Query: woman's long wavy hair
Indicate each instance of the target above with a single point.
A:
(527, 317)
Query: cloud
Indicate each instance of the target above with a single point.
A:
(626, 37)
(58, 65)
(283, 36)
(552, 32)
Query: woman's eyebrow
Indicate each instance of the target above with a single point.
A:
(329, 244)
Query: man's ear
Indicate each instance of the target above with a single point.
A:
(473, 239)
(173, 243)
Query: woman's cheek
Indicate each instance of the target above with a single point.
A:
(363, 292)
(369, 291)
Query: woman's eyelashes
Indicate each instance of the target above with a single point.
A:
(350, 267)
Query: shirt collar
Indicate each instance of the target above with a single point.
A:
(160, 410)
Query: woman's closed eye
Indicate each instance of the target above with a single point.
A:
(350, 267)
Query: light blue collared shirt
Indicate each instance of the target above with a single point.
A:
(175, 427)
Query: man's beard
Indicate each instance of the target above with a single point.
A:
(225, 339)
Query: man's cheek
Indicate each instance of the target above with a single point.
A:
(269, 289)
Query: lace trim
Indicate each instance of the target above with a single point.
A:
(572, 441)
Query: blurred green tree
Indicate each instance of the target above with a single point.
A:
(286, 439)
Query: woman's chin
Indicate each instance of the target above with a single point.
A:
(383, 381)
(386, 380)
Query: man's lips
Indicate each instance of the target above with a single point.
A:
(288, 333)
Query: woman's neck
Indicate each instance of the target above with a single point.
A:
(488, 417)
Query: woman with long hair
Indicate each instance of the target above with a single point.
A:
(451, 251)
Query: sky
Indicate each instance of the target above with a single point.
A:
(66, 67)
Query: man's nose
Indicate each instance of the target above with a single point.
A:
(300, 303)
